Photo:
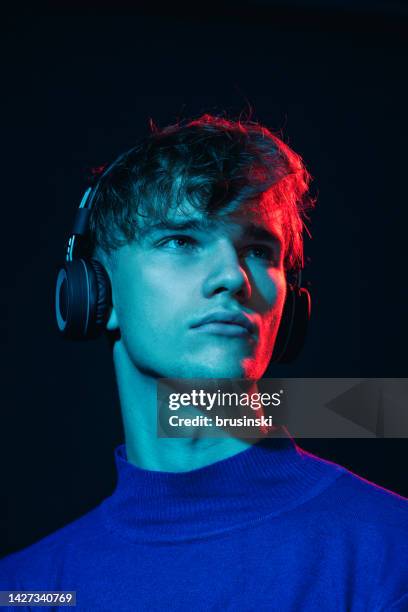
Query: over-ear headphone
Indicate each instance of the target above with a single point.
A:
(83, 291)
(294, 322)
(83, 296)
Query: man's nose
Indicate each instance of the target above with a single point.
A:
(226, 274)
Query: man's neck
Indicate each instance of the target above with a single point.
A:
(138, 398)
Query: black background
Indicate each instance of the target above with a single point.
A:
(78, 87)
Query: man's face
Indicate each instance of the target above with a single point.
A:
(173, 279)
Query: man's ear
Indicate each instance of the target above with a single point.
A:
(112, 323)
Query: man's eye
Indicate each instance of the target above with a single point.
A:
(261, 251)
(178, 242)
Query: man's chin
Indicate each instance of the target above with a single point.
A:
(241, 369)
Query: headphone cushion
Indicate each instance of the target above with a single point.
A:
(103, 298)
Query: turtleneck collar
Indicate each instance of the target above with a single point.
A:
(268, 478)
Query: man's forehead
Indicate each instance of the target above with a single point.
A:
(248, 219)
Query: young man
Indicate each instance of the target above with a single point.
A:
(197, 230)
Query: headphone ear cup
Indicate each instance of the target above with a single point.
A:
(293, 326)
(82, 299)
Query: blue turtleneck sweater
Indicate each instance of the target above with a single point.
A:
(271, 528)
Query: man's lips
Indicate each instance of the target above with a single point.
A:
(225, 322)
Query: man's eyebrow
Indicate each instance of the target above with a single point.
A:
(261, 233)
(170, 224)
(252, 231)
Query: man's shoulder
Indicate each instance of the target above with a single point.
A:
(49, 551)
(358, 499)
